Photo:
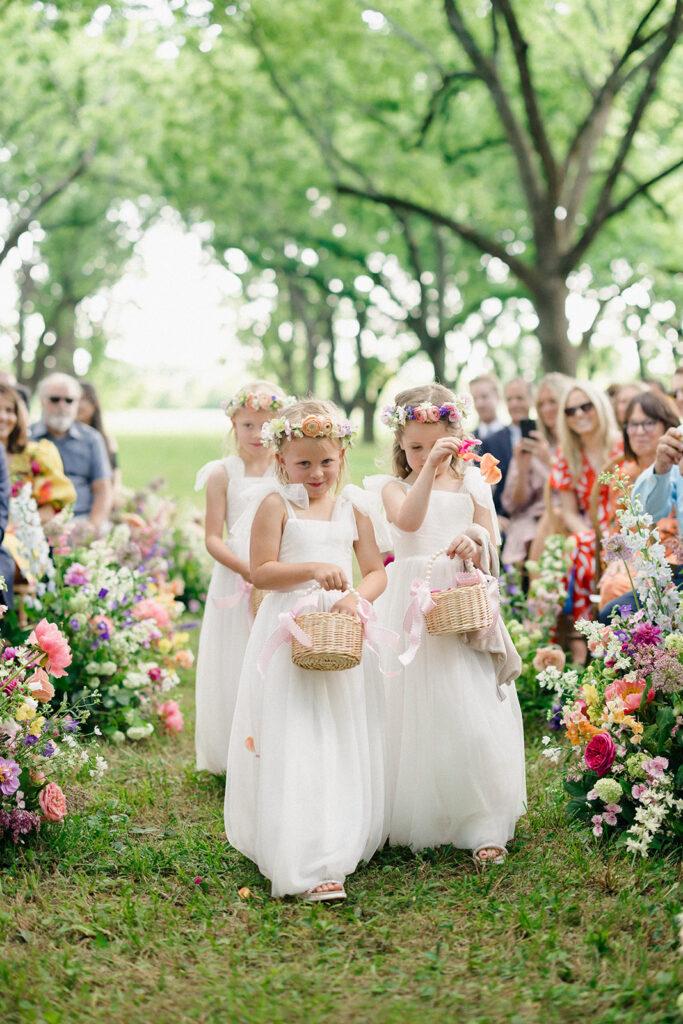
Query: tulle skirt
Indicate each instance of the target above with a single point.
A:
(305, 784)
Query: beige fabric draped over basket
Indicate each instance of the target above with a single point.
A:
(336, 641)
(461, 608)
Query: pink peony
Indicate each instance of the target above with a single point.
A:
(631, 693)
(57, 653)
(52, 802)
(549, 657)
(171, 716)
(600, 753)
(149, 609)
(433, 414)
(420, 415)
(40, 686)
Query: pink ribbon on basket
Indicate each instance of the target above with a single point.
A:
(244, 590)
(413, 622)
(286, 630)
(374, 633)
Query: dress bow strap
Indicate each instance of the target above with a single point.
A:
(413, 622)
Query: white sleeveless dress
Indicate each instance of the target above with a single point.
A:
(225, 631)
(455, 751)
(306, 802)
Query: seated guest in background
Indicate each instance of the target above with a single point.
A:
(588, 438)
(485, 391)
(6, 560)
(21, 389)
(623, 397)
(90, 412)
(36, 461)
(523, 497)
(648, 417)
(518, 398)
(83, 451)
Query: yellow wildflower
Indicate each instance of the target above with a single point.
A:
(37, 726)
(25, 713)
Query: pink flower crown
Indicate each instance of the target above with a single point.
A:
(396, 416)
(275, 431)
(256, 401)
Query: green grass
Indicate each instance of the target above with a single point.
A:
(177, 458)
(102, 920)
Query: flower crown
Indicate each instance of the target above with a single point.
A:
(274, 432)
(255, 400)
(396, 416)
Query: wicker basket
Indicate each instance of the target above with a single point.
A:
(336, 641)
(459, 609)
(256, 597)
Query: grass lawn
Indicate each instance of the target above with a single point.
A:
(104, 920)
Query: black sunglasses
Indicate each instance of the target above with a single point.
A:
(55, 399)
(572, 410)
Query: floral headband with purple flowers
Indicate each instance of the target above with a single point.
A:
(396, 416)
(256, 401)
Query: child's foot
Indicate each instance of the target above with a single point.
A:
(488, 854)
(327, 890)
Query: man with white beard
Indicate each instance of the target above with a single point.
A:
(83, 451)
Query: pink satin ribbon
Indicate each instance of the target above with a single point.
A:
(413, 623)
(244, 590)
(286, 630)
(374, 633)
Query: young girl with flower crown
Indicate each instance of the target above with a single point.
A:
(454, 730)
(228, 611)
(304, 794)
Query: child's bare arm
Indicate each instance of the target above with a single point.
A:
(216, 509)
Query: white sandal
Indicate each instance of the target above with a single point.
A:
(316, 895)
(482, 860)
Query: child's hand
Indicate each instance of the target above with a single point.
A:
(347, 604)
(443, 450)
(330, 577)
(462, 546)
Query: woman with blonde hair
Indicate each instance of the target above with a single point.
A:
(588, 438)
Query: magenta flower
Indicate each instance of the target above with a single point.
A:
(9, 776)
(76, 575)
(600, 753)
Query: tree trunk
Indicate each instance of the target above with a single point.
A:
(556, 353)
(368, 408)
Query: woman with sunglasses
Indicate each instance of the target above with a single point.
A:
(588, 438)
(647, 419)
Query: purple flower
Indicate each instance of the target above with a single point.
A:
(49, 749)
(70, 724)
(646, 635)
(9, 653)
(75, 625)
(555, 723)
(102, 593)
(19, 822)
(30, 741)
(9, 776)
(103, 630)
(76, 575)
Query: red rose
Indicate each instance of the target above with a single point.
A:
(600, 753)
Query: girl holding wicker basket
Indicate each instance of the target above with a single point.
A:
(454, 728)
(228, 614)
(305, 783)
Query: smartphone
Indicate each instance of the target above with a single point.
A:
(527, 426)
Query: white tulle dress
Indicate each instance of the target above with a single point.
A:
(225, 630)
(455, 750)
(305, 783)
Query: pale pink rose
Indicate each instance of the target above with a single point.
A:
(264, 399)
(150, 609)
(252, 402)
(433, 414)
(420, 415)
(171, 716)
(48, 637)
(40, 686)
(549, 657)
(52, 802)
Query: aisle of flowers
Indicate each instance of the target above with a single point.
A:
(91, 658)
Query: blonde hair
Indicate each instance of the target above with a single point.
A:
(557, 384)
(251, 386)
(437, 394)
(296, 413)
(570, 442)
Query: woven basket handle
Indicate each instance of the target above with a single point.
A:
(469, 565)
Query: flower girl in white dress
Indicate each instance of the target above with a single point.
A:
(227, 613)
(455, 739)
(305, 783)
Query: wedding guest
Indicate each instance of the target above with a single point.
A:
(6, 560)
(518, 398)
(485, 391)
(676, 391)
(588, 437)
(83, 451)
(624, 395)
(523, 497)
(648, 417)
(90, 413)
